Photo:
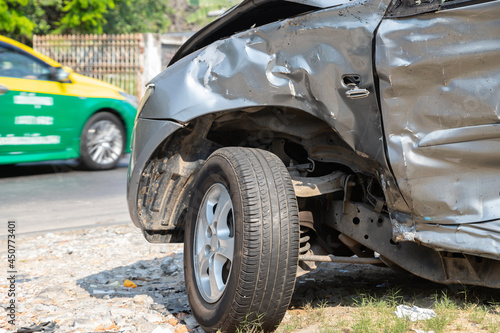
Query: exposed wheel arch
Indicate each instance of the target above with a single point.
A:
(260, 127)
(293, 135)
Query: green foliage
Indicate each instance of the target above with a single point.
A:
(133, 16)
(84, 16)
(45, 13)
(204, 7)
(23, 18)
(13, 21)
(20, 19)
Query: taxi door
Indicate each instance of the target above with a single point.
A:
(33, 115)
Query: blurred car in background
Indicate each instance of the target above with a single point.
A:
(49, 112)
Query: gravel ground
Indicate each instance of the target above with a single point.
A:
(74, 282)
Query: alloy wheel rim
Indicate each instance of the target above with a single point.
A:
(104, 142)
(213, 248)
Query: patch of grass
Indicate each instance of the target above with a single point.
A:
(487, 317)
(394, 297)
(335, 327)
(446, 312)
(251, 325)
(290, 325)
(377, 314)
(299, 318)
(465, 310)
(492, 325)
(317, 316)
(478, 314)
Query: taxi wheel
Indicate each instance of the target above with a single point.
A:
(241, 241)
(102, 142)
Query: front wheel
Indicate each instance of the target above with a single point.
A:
(241, 241)
(102, 142)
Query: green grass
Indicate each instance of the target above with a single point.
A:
(446, 312)
(376, 314)
(251, 325)
(371, 313)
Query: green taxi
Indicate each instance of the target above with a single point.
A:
(49, 112)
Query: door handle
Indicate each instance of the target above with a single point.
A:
(355, 92)
(3, 89)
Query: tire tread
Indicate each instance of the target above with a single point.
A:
(271, 237)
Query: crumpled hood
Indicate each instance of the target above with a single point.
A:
(249, 14)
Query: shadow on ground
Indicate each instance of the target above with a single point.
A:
(345, 284)
(161, 278)
(330, 285)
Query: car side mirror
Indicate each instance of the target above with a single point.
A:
(59, 74)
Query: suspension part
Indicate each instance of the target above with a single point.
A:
(306, 223)
(304, 241)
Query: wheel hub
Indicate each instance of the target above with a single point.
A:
(213, 248)
(104, 142)
(214, 242)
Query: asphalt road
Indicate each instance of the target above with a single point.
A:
(46, 197)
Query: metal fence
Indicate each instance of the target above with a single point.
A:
(115, 59)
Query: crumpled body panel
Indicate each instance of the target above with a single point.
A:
(439, 81)
(296, 63)
(438, 74)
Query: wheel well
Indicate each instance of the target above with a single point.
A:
(307, 146)
(114, 112)
(293, 135)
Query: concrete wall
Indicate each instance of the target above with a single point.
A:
(157, 51)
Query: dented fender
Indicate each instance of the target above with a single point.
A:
(319, 62)
(299, 63)
(415, 94)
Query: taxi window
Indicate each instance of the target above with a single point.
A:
(14, 64)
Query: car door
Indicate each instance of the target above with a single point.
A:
(439, 69)
(35, 115)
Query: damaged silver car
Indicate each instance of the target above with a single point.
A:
(288, 133)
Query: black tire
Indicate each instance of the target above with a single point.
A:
(102, 142)
(260, 279)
